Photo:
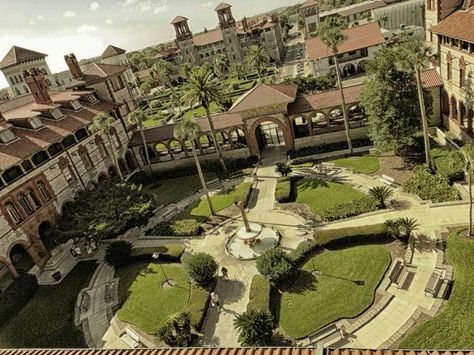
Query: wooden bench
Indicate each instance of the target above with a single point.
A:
(109, 289)
(131, 338)
(387, 180)
(85, 301)
(434, 284)
(397, 269)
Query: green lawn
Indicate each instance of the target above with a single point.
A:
(365, 164)
(147, 304)
(200, 112)
(176, 189)
(311, 303)
(453, 328)
(200, 210)
(320, 195)
(47, 321)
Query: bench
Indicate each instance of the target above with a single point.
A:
(434, 284)
(85, 300)
(396, 272)
(387, 180)
(131, 338)
(109, 289)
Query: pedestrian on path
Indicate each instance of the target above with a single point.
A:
(225, 273)
(215, 300)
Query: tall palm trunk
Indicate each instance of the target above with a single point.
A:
(424, 120)
(214, 139)
(470, 202)
(343, 101)
(145, 147)
(203, 181)
(114, 158)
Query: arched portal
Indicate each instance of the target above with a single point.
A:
(102, 177)
(453, 108)
(20, 258)
(112, 172)
(269, 132)
(122, 167)
(130, 160)
(462, 115)
(46, 234)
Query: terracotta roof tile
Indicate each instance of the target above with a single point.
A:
(95, 72)
(161, 133)
(363, 36)
(459, 25)
(205, 38)
(390, 352)
(17, 55)
(263, 95)
(112, 51)
(222, 6)
(430, 78)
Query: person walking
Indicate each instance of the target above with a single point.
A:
(225, 273)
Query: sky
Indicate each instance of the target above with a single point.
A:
(86, 27)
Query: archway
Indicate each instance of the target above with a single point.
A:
(237, 137)
(102, 178)
(122, 167)
(112, 172)
(300, 127)
(462, 115)
(445, 101)
(348, 70)
(269, 132)
(20, 258)
(453, 108)
(46, 234)
(319, 122)
(130, 160)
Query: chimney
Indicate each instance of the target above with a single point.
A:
(73, 65)
(36, 80)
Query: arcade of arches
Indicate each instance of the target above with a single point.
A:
(462, 113)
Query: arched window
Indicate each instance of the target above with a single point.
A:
(13, 212)
(43, 191)
(12, 174)
(101, 146)
(32, 196)
(449, 67)
(85, 157)
(115, 138)
(25, 204)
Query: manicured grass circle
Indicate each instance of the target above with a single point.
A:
(365, 164)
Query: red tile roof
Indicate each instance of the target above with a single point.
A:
(95, 72)
(222, 6)
(166, 132)
(363, 36)
(17, 55)
(430, 78)
(263, 95)
(179, 19)
(112, 51)
(164, 351)
(205, 38)
(459, 25)
(395, 352)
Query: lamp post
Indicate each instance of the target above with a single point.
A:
(313, 267)
(156, 256)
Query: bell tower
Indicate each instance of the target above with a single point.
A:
(229, 32)
(184, 39)
(224, 13)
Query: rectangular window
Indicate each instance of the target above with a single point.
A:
(7, 136)
(68, 174)
(462, 77)
(449, 70)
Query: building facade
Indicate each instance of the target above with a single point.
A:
(450, 32)
(48, 154)
(230, 38)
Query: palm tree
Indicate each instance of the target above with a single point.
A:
(221, 66)
(408, 226)
(381, 194)
(175, 103)
(187, 129)
(255, 328)
(465, 157)
(393, 227)
(105, 122)
(165, 71)
(331, 33)
(137, 117)
(415, 54)
(202, 88)
(257, 59)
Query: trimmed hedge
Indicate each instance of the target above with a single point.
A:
(283, 189)
(430, 187)
(303, 250)
(16, 296)
(169, 252)
(350, 209)
(259, 297)
(327, 236)
(177, 228)
(198, 303)
(331, 147)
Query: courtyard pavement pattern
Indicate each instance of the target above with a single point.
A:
(218, 329)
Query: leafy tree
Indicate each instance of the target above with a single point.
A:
(283, 169)
(177, 331)
(165, 71)
(187, 129)
(465, 158)
(381, 194)
(389, 100)
(255, 328)
(118, 253)
(221, 66)
(275, 265)
(257, 59)
(310, 84)
(138, 117)
(201, 268)
(203, 88)
(331, 33)
(145, 87)
(407, 227)
(106, 123)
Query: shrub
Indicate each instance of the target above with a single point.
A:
(255, 328)
(303, 250)
(16, 296)
(118, 253)
(275, 265)
(259, 297)
(350, 209)
(430, 187)
(201, 268)
(283, 169)
(331, 147)
(381, 194)
(185, 227)
(177, 331)
(283, 190)
(326, 236)
(197, 306)
(446, 166)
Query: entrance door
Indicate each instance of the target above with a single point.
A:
(271, 134)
